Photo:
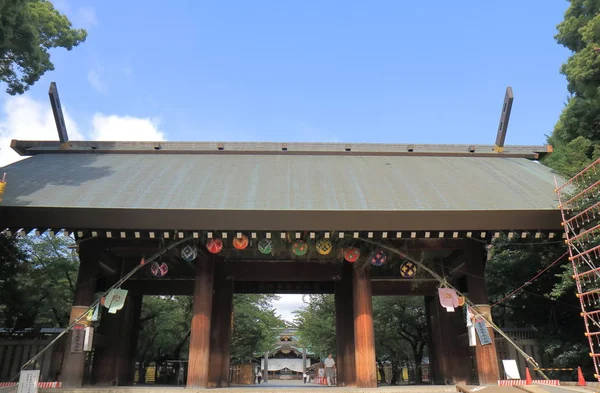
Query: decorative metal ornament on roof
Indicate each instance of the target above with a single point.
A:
(189, 253)
(408, 269)
(265, 246)
(378, 257)
(241, 243)
(351, 254)
(159, 269)
(299, 247)
(214, 246)
(324, 246)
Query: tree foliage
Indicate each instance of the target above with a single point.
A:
(28, 30)
(399, 322)
(38, 284)
(400, 325)
(255, 326)
(164, 328)
(316, 324)
(576, 137)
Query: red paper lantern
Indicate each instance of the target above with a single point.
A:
(214, 246)
(351, 254)
(241, 243)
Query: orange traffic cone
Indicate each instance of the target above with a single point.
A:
(528, 379)
(580, 378)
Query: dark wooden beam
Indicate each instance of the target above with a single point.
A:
(59, 118)
(291, 271)
(504, 119)
(279, 220)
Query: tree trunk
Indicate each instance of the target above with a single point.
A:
(418, 355)
(395, 373)
(382, 372)
(141, 373)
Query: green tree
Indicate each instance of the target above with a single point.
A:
(28, 30)
(401, 336)
(255, 326)
(39, 285)
(576, 137)
(316, 324)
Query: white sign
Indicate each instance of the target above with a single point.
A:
(510, 369)
(77, 338)
(89, 338)
(28, 381)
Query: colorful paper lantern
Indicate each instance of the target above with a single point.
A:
(378, 258)
(189, 253)
(351, 254)
(265, 246)
(241, 243)
(408, 269)
(299, 247)
(159, 269)
(324, 246)
(214, 246)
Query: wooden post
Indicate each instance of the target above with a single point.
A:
(344, 323)
(220, 335)
(114, 358)
(216, 329)
(487, 359)
(74, 362)
(364, 339)
(199, 357)
(265, 372)
(227, 331)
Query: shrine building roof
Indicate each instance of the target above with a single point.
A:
(278, 186)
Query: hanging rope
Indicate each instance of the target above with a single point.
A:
(116, 285)
(474, 308)
(530, 280)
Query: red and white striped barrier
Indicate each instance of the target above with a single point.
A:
(522, 382)
(43, 385)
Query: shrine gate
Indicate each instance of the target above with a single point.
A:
(127, 200)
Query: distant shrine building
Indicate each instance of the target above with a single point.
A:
(288, 360)
(278, 218)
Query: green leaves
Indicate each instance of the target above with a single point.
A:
(38, 290)
(28, 29)
(255, 326)
(316, 324)
(576, 136)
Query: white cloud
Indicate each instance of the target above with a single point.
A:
(26, 119)
(287, 304)
(125, 128)
(96, 81)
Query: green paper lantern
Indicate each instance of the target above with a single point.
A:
(299, 247)
(265, 246)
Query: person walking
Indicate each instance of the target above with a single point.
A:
(329, 367)
(259, 376)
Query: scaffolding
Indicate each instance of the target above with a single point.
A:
(579, 202)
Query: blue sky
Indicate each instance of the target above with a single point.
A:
(381, 71)
(348, 71)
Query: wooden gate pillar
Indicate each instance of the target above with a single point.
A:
(364, 339)
(344, 326)
(487, 359)
(199, 357)
(450, 357)
(73, 364)
(227, 314)
(114, 355)
(220, 335)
